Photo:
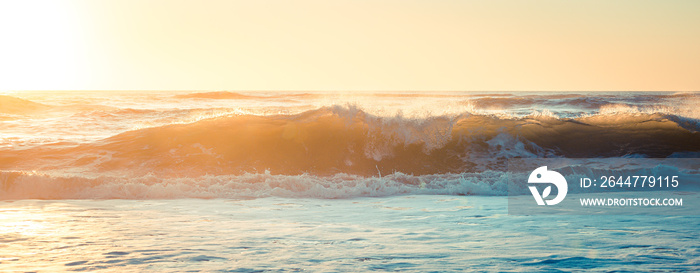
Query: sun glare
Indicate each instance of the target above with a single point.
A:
(41, 45)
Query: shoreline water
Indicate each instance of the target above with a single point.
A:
(408, 233)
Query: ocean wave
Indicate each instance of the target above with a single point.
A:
(215, 95)
(582, 101)
(568, 101)
(15, 106)
(237, 96)
(345, 139)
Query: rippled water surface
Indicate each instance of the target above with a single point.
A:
(407, 233)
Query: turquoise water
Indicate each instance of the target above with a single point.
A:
(415, 233)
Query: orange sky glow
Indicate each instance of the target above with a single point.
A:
(383, 45)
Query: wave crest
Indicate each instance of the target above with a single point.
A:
(345, 139)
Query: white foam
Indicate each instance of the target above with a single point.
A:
(27, 185)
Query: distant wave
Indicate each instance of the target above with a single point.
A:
(687, 94)
(345, 139)
(215, 95)
(13, 108)
(17, 106)
(577, 101)
(237, 96)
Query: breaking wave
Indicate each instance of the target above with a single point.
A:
(214, 148)
(345, 139)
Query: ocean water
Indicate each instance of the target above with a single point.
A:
(418, 233)
(325, 181)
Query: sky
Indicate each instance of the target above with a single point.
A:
(346, 45)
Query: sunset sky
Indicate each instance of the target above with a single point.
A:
(349, 45)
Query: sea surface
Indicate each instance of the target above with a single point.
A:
(325, 181)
